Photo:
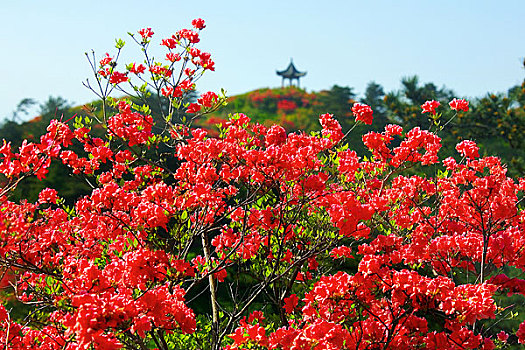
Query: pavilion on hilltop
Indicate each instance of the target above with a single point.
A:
(291, 73)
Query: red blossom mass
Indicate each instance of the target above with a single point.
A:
(208, 99)
(198, 23)
(362, 113)
(398, 249)
(137, 69)
(117, 78)
(286, 105)
(459, 105)
(430, 106)
(106, 60)
(468, 149)
(146, 33)
(193, 108)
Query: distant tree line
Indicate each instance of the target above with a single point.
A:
(495, 121)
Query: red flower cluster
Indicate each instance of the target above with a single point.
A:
(198, 23)
(187, 34)
(459, 105)
(161, 70)
(133, 68)
(331, 128)
(286, 105)
(117, 77)
(170, 43)
(208, 99)
(276, 135)
(146, 33)
(193, 108)
(468, 149)
(106, 60)
(430, 106)
(362, 113)
(286, 100)
(130, 126)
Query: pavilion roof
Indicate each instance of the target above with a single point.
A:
(291, 72)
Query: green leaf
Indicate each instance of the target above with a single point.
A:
(442, 174)
(119, 43)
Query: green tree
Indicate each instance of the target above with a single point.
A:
(404, 106)
(23, 108)
(338, 101)
(374, 97)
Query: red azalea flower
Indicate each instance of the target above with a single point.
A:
(468, 149)
(430, 106)
(362, 113)
(189, 35)
(137, 69)
(193, 108)
(107, 59)
(173, 57)
(276, 135)
(159, 70)
(48, 195)
(286, 105)
(117, 78)
(502, 336)
(146, 33)
(207, 99)
(198, 23)
(170, 43)
(290, 303)
(459, 105)
(169, 91)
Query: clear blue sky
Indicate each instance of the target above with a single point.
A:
(472, 47)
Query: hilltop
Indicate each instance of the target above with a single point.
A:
(291, 107)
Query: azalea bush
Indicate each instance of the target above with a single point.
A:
(255, 238)
(290, 107)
